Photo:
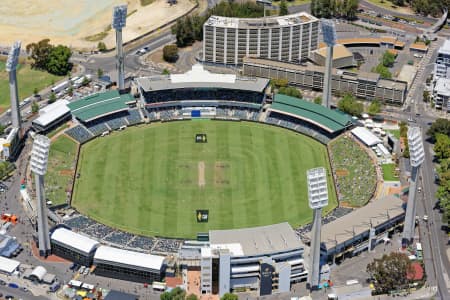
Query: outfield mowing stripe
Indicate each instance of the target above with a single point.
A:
(133, 178)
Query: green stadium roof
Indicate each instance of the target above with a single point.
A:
(99, 105)
(319, 115)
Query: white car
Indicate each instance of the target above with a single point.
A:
(425, 218)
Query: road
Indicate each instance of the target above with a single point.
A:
(384, 11)
(433, 238)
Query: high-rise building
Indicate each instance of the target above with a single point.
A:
(442, 65)
(287, 38)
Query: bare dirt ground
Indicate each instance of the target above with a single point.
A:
(201, 174)
(70, 22)
(342, 172)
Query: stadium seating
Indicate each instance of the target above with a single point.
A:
(120, 238)
(134, 117)
(79, 133)
(298, 125)
(116, 123)
(97, 127)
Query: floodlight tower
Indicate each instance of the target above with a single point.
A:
(318, 198)
(417, 156)
(38, 161)
(119, 22)
(329, 37)
(11, 66)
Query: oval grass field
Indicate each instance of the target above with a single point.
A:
(151, 179)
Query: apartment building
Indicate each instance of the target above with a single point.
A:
(285, 38)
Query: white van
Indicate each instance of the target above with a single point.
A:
(105, 133)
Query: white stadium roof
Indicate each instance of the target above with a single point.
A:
(39, 272)
(52, 112)
(8, 265)
(256, 240)
(74, 240)
(365, 136)
(198, 74)
(128, 258)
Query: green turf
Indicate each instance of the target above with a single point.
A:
(28, 80)
(389, 172)
(395, 132)
(145, 179)
(61, 161)
(355, 171)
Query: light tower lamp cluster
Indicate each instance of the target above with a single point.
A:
(11, 66)
(318, 198)
(329, 37)
(119, 22)
(417, 156)
(38, 161)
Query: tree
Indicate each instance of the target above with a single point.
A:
(388, 59)
(426, 96)
(58, 60)
(229, 296)
(403, 129)
(99, 72)
(349, 105)
(382, 70)
(439, 126)
(290, 91)
(389, 272)
(283, 8)
(35, 91)
(170, 53)
(70, 91)
(374, 107)
(165, 72)
(279, 82)
(318, 100)
(52, 98)
(192, 297)
(85, 81)
(442, 146)
(101, 46)
(34, 107)
(2, 129)
(39, 53)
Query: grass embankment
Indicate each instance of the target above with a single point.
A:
(151, 179)
(28, 79)
(356, 176)
(61, 165)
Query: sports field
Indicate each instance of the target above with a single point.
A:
(151, 179)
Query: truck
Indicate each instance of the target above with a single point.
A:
(60, 87)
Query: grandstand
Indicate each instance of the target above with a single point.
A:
(199, 87)
(308, 118)
(102, 112)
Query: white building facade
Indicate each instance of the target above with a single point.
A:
(441, 93)
(442, 65)
(286, 38)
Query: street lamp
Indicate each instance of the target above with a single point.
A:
(417, 156)
(318, 198)
(329, 37)
(39, 161)
(119, 22)
(11, 66)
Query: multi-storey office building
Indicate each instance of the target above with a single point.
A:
(442, 65)
(441, 94)
(362, 85)
(286, 38)
(265, 259)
